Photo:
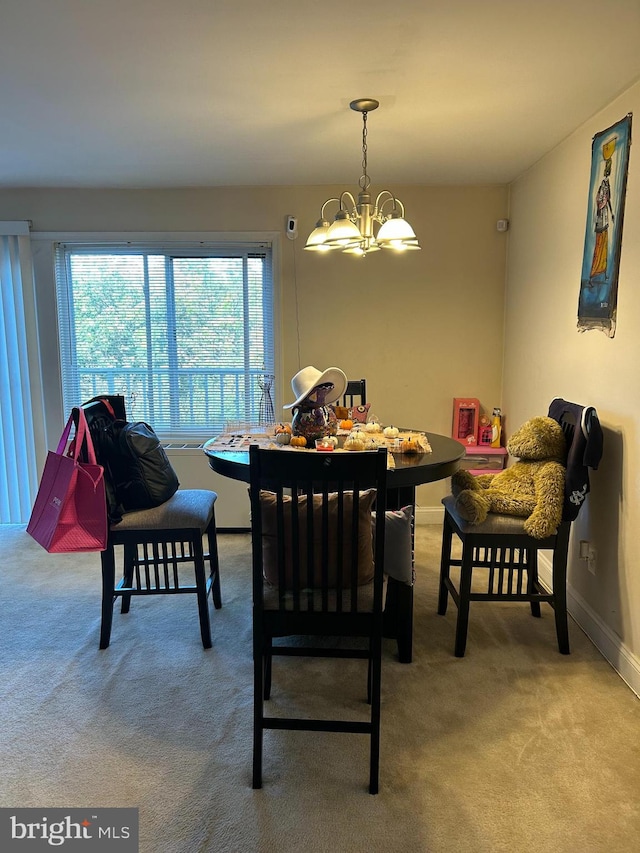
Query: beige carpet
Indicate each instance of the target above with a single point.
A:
(513, 748)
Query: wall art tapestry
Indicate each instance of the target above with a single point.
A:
(597, 304)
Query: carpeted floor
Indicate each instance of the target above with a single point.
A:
(513, 748)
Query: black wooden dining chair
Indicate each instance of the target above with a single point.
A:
(355, 393)
(156, 551)
(506, 554)
(315, 574)
(158, 546)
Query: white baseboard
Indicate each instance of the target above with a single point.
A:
(610, 646)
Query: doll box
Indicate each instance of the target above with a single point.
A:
(466, 420)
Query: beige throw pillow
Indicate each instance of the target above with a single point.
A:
(365, 537)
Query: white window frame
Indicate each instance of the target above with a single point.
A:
(44, 264)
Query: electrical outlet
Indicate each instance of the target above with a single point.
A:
(591, 559)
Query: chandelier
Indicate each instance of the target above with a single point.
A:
(363, 227)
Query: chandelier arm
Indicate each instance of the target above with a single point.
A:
(377, 213)
(391, 197)
(387, 193)
(328, 201)
(351, 199)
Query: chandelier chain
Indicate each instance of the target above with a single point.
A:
(365, 180)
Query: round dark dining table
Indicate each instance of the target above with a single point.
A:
(409, 471)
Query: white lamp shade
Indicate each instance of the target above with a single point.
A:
(343, 232)
(395, 231)
(316, 240)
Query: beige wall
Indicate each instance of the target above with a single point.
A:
(545, 356)
(422, 328)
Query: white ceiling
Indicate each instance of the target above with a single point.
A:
(162, 93)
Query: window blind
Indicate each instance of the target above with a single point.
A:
(184, 332)
(19, 376)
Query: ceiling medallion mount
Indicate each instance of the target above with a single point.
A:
(363, 227)
(364, 105)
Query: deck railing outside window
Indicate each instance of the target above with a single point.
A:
(204, 395)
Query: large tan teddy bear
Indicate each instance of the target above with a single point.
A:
(532, 488)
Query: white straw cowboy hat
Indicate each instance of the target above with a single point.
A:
(308, 379)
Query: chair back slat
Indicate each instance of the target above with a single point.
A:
(355, 393)
(312, 530)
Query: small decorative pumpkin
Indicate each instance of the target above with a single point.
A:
(372, 426)
(391, 432)
(354, 442)
(298, 441)
(283, 437)
(410, 445)
(283, 428)
(347, 423)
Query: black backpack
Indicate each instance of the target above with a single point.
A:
(138, 473)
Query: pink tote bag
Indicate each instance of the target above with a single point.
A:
(70, 511)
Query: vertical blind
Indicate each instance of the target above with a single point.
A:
(18, 474)
(184, 332)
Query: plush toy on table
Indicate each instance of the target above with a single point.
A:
(532, 488)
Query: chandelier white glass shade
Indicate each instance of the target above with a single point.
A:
(361, 227)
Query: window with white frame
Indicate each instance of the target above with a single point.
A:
(184, 332)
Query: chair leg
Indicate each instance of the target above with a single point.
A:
(462, 624)
(445, 566)
(532, 579)
(559, 576)
(374, 759)
(258, 688)
(129, 556)
(108, 561)
(268, 664)
(214, 563)
(398, 617)
(562, 622)
(404, 601)
(201, 585)
(370, 670)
